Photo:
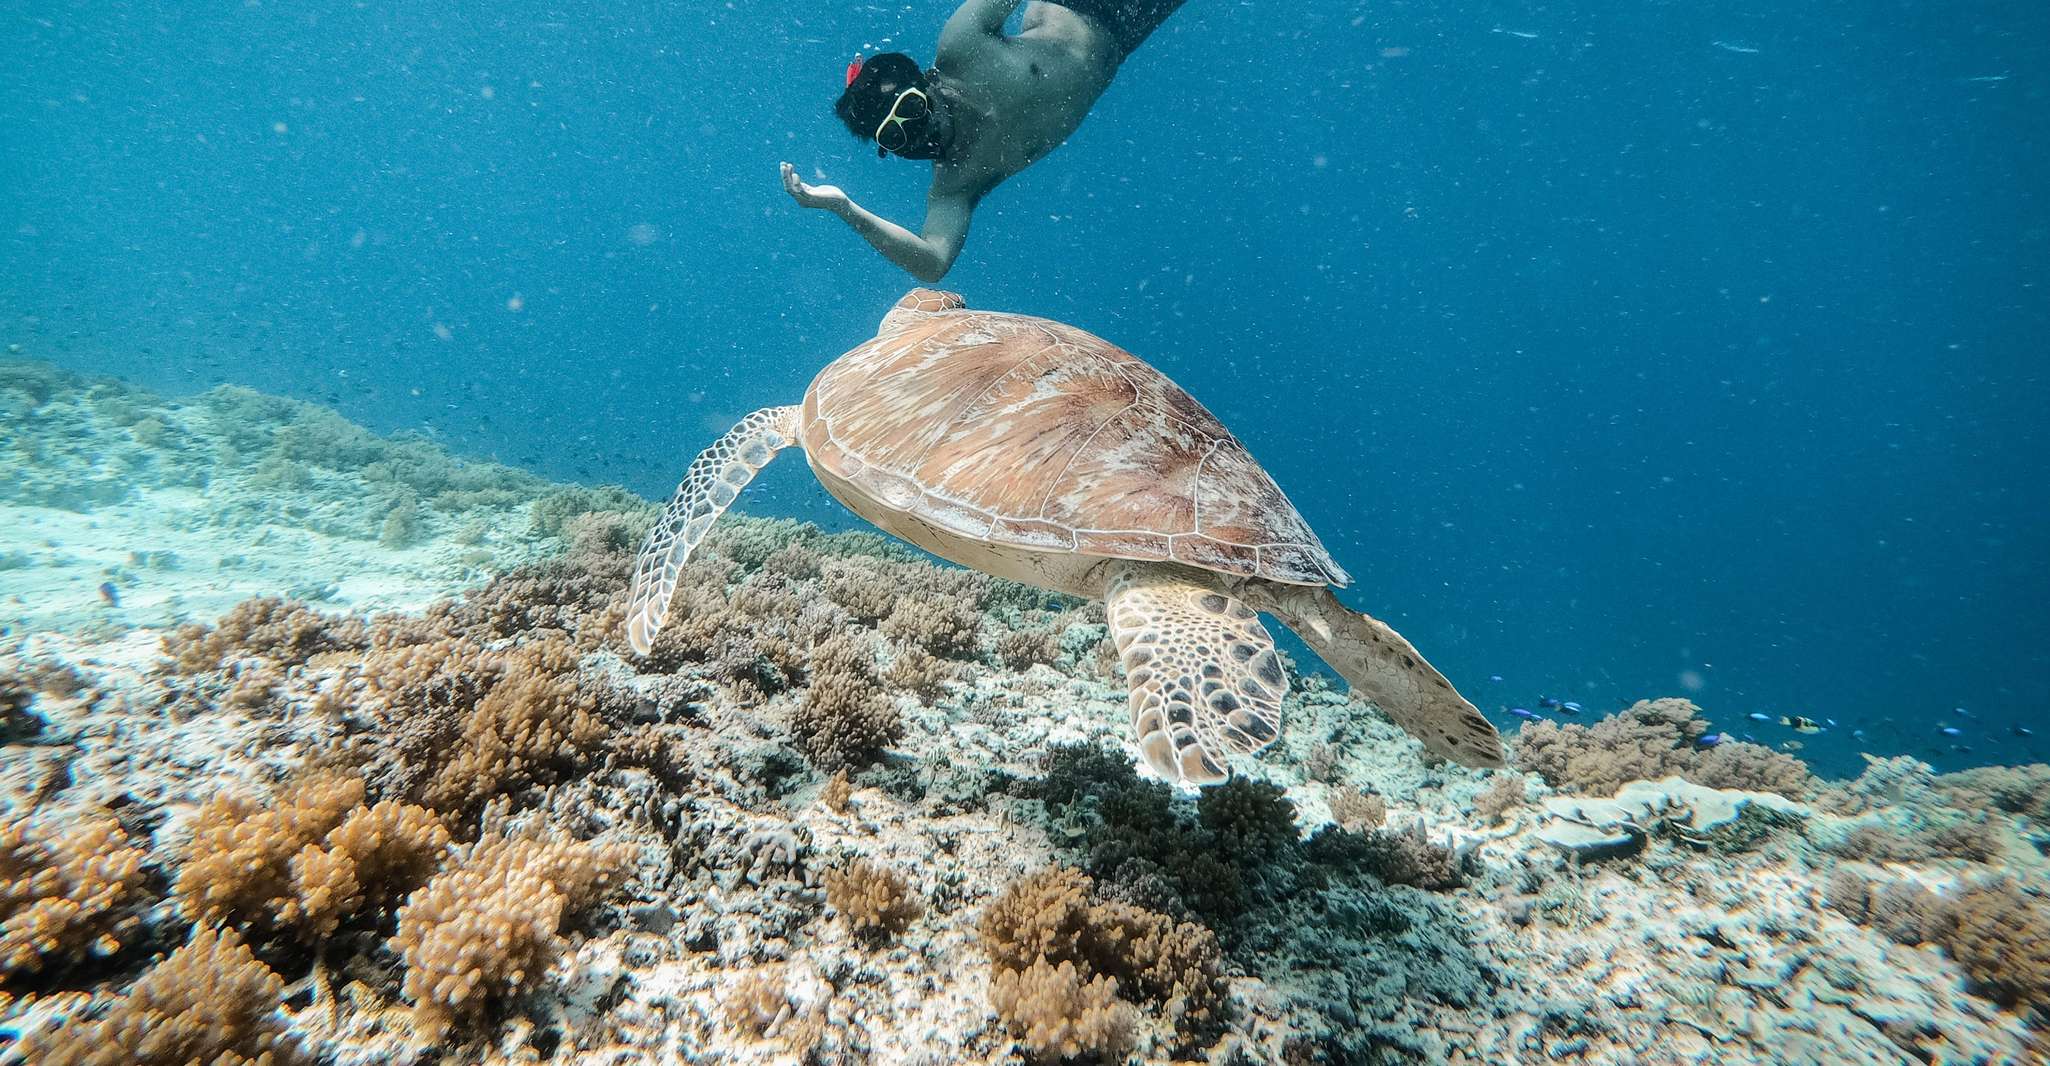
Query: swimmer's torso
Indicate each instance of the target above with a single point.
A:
(1014, 99)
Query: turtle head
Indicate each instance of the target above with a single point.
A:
(915, 305)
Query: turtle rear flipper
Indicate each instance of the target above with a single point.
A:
(714, 480)
(1204, 677)
(1386, 669)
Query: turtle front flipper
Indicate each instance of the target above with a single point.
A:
(1204, 677)
(1386, 669)
(715, 478)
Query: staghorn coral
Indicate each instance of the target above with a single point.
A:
(1650, 740)
(844, 719)
(947, 626)
(284, 631)
(1395, 856)
(65, 894)
(211, 1002)
(1973, 840)
(875, 901)
(863, 591)
(485, 927)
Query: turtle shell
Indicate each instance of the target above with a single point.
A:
(1026, 432)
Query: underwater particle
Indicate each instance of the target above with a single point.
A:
(643, 234)
(279, 127)
(1692, 681)
(443, 332)
(515, 302)
(1496, 678)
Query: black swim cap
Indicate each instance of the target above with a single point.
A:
(869, 96)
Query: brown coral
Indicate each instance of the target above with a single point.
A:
(1504, 794)
(947, 626)
(65, 894)
(875, 901)
(2000, 935)
(1649, 740)
(285, 631)
(482, 929)
(1052, 944)
(1356, 810)
(210, 1002)
(844, 718)
(310, 860)
(533, 728)
(1058, 1014)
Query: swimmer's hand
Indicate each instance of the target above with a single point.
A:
(826, 196)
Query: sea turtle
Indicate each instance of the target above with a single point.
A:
(1034, 451)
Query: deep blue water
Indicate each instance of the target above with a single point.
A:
(1606, 344)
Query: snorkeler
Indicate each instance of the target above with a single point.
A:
(991, 106)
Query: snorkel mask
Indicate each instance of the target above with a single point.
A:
(891, 90)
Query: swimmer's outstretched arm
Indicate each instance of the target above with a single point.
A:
(927, 256)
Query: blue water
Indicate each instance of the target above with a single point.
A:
(1617, 349)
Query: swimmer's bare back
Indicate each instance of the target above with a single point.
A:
(992, 105)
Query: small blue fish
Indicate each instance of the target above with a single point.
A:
(1547, 702)
(110, 594)
(1711, 740)
(1951, 731)
(1569, 707)
(2023, 731)
(1497, 678)
(1960, 712)
(1857, 734)
(1760, 716)
(1524, 712)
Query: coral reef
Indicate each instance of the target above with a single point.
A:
(483, 928)
(1649, 740)
(65, 893)
(845, 719)
(210, 1002)
(875, 901)
(818, 825)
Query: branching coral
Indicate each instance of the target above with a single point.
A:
(310, 860)
(1504, 794)
(2000, 935)
(2023, 790)
(1059, 959)
(844, 718)
(1058, 1014)
(482, 929)
(532, 728)
(65, 894)
(947, 626)
(875, 901)
(285, 631)
(210, 1002)
(1650, 740)
(1356, 810)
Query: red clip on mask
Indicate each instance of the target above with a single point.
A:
(853, 70)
